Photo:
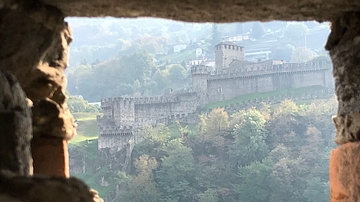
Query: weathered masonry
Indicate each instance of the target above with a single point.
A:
(36, 124)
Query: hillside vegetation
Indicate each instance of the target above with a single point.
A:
(244, 98)
(269, 154)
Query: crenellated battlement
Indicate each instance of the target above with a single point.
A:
(117, 132)
(156, 99)
(122, 100)
(199, 69)
(260, 69)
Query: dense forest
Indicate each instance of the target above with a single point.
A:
(270, 154)
(133, 74)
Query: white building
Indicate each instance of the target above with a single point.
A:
(236, 38)
(200, 52)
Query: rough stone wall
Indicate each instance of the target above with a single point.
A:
(15, 125)
(199, 76)
(153, 114)
(33, 57)
(146, 110)
(115, 142)
(310, 79)
(122, 115)
(225, 53)
(210, 10)
(235, 86)
(35, 50)
(44, 189)
(123, 111)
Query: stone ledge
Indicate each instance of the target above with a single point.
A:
(344, 173)
(209, 10)
(50, 156)
(45, 189)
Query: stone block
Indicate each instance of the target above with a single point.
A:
(337, 190)
(15, 126)
(344, 173)
(50, 156)
(45, 189)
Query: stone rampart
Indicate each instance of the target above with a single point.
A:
(123, 116)
(156, 99)
(265, 69)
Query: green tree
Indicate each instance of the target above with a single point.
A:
(141, 188)
(283, 52)
(151, 141)
(215, 123)
(302, 54)
(209, 195)
(286, 181)
(286, 107)
(254, 181)
(249, 134)
(175, 175)
(78, 104)
(213, 128)
(317, 190)
(286, 129)
(177, 74)
(115, 77)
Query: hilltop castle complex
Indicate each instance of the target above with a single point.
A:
(233, 76)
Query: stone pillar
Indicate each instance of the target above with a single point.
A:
(344, 47)
(34, 47)
(15, 127)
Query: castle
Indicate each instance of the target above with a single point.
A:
(232, 77)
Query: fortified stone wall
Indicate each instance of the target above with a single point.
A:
(123, 114)
(255, 78)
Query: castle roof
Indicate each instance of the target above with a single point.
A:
(239, 63)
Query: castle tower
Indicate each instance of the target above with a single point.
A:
(124, 111)
(199, 75)
(226, 52)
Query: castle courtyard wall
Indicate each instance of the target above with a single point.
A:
(155, 113)
(226, 87)
(115, 142)
(310, 78)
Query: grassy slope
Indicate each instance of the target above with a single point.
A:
(87, 127)
(179, 57)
